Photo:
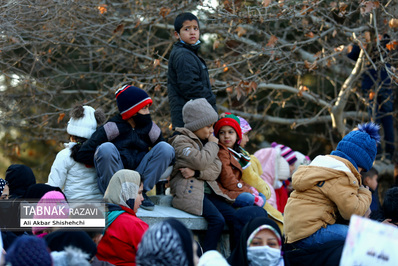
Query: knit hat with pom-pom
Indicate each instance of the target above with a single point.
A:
(286, 152)
(84, 121)
(360, 146)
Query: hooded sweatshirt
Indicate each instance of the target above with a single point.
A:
(328, 186)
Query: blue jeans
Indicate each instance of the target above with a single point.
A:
(330, 233)
(107, 162)
(246, 199)
(236, 219)
(215, 224)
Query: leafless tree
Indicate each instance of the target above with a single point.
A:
(283, 64)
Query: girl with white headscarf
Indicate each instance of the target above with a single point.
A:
(123, 230)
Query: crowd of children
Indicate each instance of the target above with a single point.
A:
(280, 207)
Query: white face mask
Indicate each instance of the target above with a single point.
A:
(264, 255)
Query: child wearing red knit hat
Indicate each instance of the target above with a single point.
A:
(228, 131)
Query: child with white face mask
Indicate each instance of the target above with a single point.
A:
(260, 243)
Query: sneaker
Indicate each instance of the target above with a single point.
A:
(147, 204)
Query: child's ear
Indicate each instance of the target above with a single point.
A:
(176, 35)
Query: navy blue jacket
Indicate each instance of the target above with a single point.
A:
(187, 78)
(371, 78)
(132, 143)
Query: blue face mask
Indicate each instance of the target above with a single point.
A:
(198, 41)
(264, 255)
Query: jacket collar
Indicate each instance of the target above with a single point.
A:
(193, 48)
(188, 133)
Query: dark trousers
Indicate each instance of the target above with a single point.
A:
(218, 212)
(381, 110)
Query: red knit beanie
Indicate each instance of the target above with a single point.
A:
(229, 120)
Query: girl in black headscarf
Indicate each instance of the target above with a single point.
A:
(37, 191)
(19, 178)
(260, 243)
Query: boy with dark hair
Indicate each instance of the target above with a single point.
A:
(188, 77)
(129, 140)
(369, 179)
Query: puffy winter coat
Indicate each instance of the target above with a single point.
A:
(329, 185)
(132, 143)
(187, 79)
(120, 242)
(251, 175)
(230, 180)
(78, 181)
(188, 193)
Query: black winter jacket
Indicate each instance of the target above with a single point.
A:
(132, 143)
(187, 78)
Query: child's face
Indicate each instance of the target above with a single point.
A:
(139, 199)
(227, 136)
(265, 238)
(292, 167)
(6, 193)
(204, 132)
(144, 110)
(189, 33)
(371, 182)
(245, 140)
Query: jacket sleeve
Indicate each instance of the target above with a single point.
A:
(228, 179)
(349, 198)
(212, 172)
(59, 170)
(86, 153)
(155, 134)
(256, 165)
(188, 76)
(251, 177)
(188, 154)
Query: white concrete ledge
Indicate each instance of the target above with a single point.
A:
(160, 213)
(164, 210)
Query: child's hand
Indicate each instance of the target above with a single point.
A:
(187, 172)
(388, 221)
(365, 187)
(213, 138)
(367, 213)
